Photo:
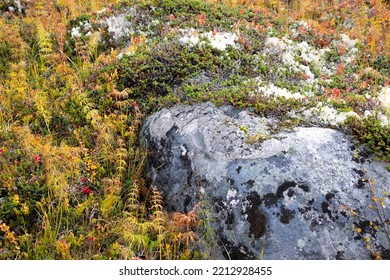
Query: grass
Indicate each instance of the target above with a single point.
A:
(72, 180)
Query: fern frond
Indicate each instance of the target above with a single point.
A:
(156, 202)
(92, 46)
(158, 217)
(132, 200)
(42, 106)
(44, 43)
(119, 95)
(121, 156)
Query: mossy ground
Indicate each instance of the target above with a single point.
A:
(73, 100)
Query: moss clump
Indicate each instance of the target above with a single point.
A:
(5, 53)
(382, 64)
(157, 71)
(372, 133)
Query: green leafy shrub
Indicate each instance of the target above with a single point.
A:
(373, 134)
(5, 53)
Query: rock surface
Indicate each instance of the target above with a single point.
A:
(287, 195)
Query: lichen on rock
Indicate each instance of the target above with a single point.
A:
(286, 195)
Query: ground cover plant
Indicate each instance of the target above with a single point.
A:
(78, 78)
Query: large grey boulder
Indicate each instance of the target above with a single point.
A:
(287, 195)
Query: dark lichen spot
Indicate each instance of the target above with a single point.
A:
(218, 204)
(235, 252)
(340, 255)
(356, 159)
(230, 218)
(325, 208)
(314, 223)
(231, 181)
(360, 184)
(283, 187)
(250, 183)
(238, 169)
(254, 199)
(361, 173)
(311, 201)
(257, 222)
(303, 210)
(286, 215)
(329, 196)
(384, 253)
(270, 199)
(304, 188)
(290, 193)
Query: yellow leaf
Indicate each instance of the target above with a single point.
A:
(15, 199)
(353, 212)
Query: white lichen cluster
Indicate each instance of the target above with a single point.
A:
(18, 7)
(119, 26)
(218, 40)
(350, 55)
(384, 96)
(300, 57)
(269, 89)
(294, 32)
(295, 56)
(82, 28)
(325, 115)
(231, 197)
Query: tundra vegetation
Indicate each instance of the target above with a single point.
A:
(78, 78)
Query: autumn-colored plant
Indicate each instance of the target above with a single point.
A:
(72, 178)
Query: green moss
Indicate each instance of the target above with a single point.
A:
(256, 138)
(382, 64)
(332, 56)
(5, 53)
(155, 72)
(372, 133)
(28, 186)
